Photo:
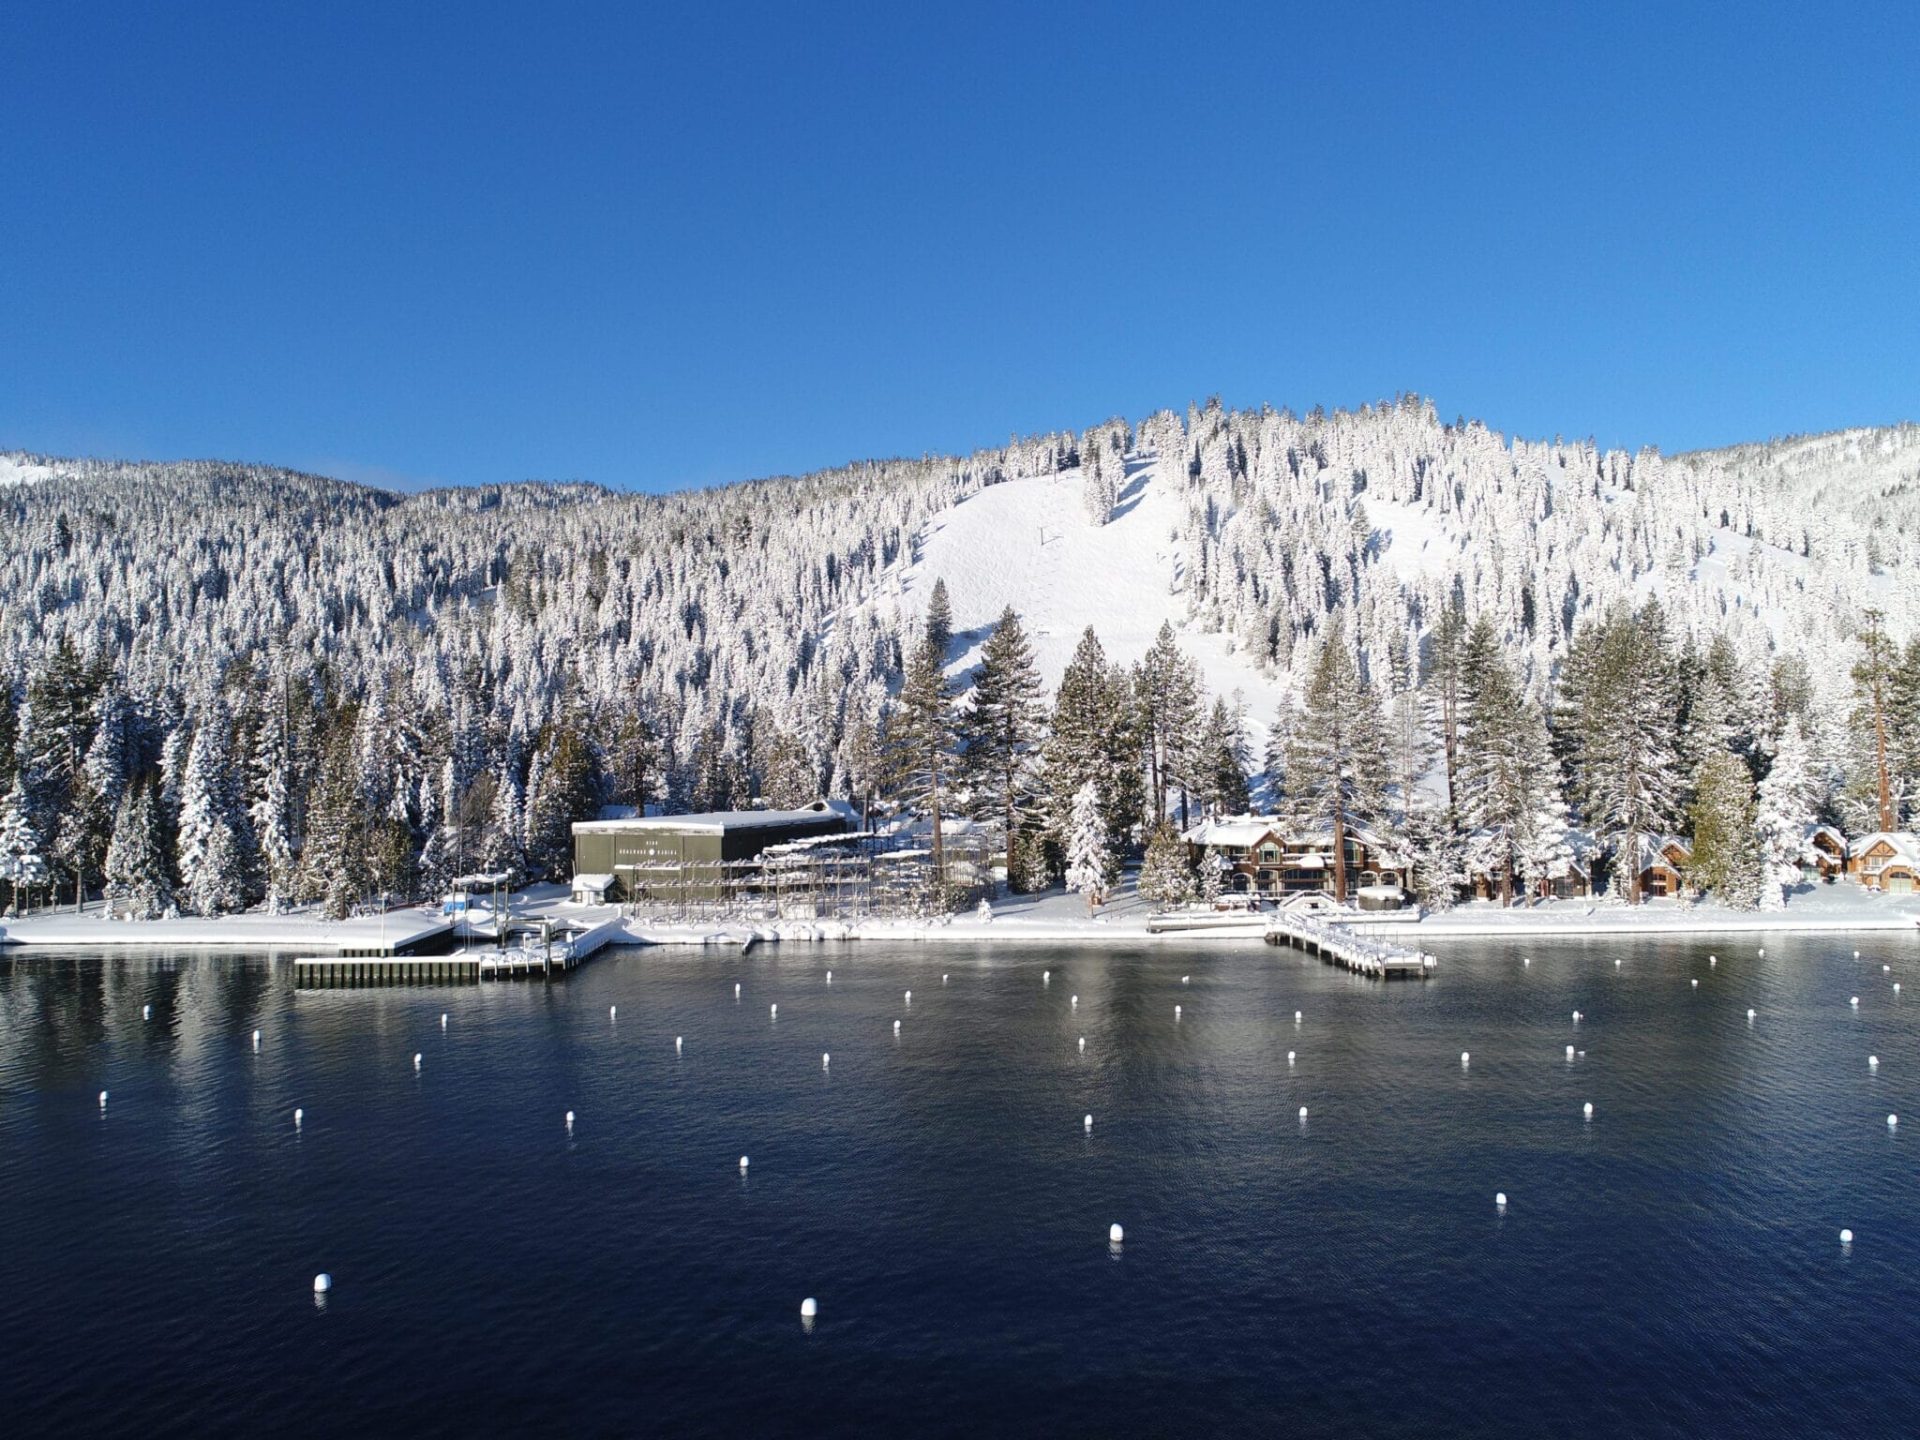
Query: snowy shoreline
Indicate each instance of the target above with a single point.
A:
(1054, 918)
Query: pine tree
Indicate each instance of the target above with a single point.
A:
(1873, 676)
(1222, 762)
(1167, 698)
(1337, 760)
(1619, 703)
(137, 878)
(271, 810)
(788, 779)
(1001, 734)
(213, 869)
(1726, 861)
(560, 788)
(1448, 652)
(1092, 742)
(23, 865)
(1165, 876)
(1088, 859)
(1784, 816)
(922, 739)
(333, 860)
(939, 622)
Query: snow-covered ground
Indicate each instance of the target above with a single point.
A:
(1029, 544)
(1054, 917)
(16, 469)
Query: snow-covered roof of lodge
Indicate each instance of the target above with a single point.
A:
(1904, 844)
(1826, 832)
(717, 821)
(1653, 850)
(1232, 830)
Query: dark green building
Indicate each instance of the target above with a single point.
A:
(680, 858)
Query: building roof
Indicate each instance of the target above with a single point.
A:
(717, 822)
(1904, 844)
(592, 882)
(1232, 830)
(1653, 851)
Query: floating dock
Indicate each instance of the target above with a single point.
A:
(1338, 945)
(546, 959)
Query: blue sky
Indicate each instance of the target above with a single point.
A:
(661, 246)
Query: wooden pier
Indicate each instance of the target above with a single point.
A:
(1338, 945)
(545, 959)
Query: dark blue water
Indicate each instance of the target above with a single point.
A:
(1670, 1267)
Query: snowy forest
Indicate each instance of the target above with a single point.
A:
(225, 686)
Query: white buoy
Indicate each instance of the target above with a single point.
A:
(1886, 969)
(1289, 1057)
(896, 1027)
(256, 1039)
(1846, 1237)
(1854, 1002)
(773, 1012)
(1115, 1234)
(829, 977)
(1073, 1002)
(809, 1308)
(1526, 960)
(1576, 1017)
(1176, 1012)
(943, 977)
(103, 1099)
(1587, 1110)
(1893, 1122)
(298, 1115)
(1083, 1044)
(1465, 1057)
(443, 1019)
(1694, 983)
(569, 1119)
(322, 1283)
(1750, 1014)
(1296, 1017)
(826, 1059)
(1873, 1062)
(736, 990)
(1087, 1123)
(1762, 950)
(1046, 977)
(1896, 987)
(1713, 960)
(678, 1042)
(743, 1164)
(416, 1059)
(1569, 1052)
(1856, 954)
(1616, 964)
(909, 997)
(1185, 978)
(613, 1012)
(1303, 1112)
(146, 1012)
(1500, 1198)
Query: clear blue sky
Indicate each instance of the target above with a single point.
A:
(660, 245)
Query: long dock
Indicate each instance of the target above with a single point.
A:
(467, 966)
(1338, 945)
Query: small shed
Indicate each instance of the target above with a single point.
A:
(596, 888)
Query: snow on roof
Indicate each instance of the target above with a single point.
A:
(592, 882)
(1904, 844)
(1653, 850)
(716, 821)
(1232, 830)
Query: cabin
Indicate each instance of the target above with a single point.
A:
(597, 889)
(1824, 854)
(1887, 860)
(1264, 855)
(677, 858)
(1662, 862)
(1568, 878)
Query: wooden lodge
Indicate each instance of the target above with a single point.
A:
(1887, 860)
(1263, 855)
(1662, 863)
(1824, 856)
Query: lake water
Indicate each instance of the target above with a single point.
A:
(1671, 1266)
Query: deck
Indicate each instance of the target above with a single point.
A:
(1338, 945)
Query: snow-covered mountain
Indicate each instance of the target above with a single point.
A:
(775, 601)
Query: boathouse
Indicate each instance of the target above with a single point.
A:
(676, 858)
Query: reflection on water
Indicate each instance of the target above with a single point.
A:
(1335, 1223)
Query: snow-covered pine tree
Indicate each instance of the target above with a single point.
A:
(1619, 698)
(23, 865)
(1165, 876)
(1872, 797)
(1001, 734)
(1091, 741)
(1166, 697)
(922, 737)
(939, 621)
(1221, 762)
(137, 877)
(1784, 815)
(1088, 859)
(213, 855)
(1337, 761)
(1726, 861)
(271, 809)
